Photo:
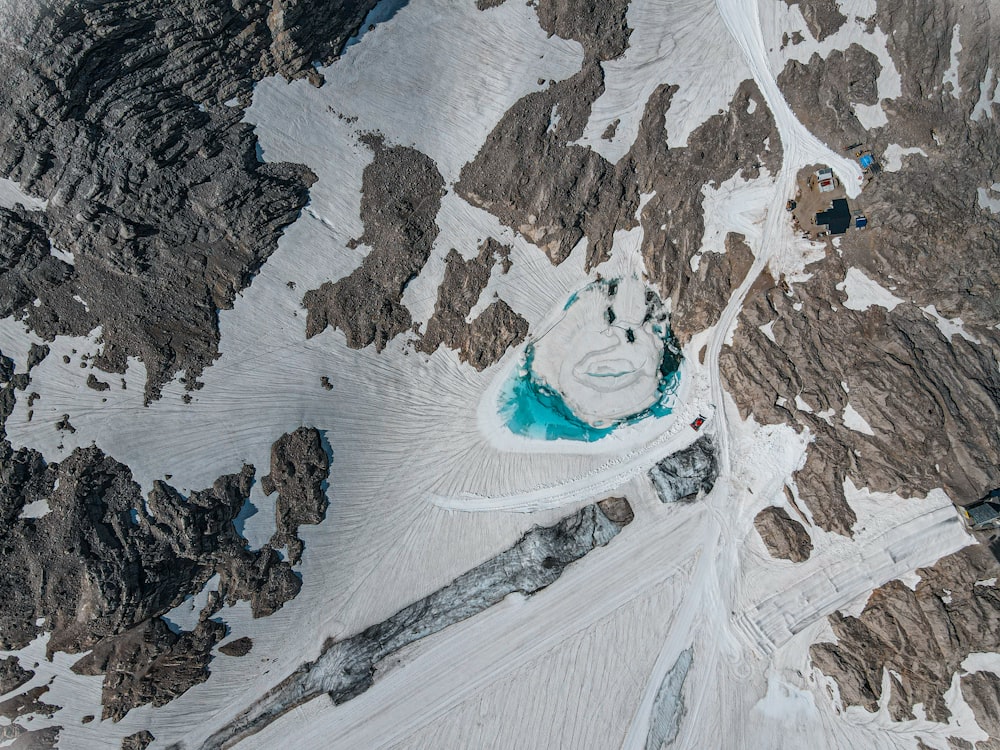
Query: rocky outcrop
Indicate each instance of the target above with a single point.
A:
(736, 142)
(921, 636)
(823, 17)
(705, 292)
(150, 664)
(12, 675)
(784, 537)
(485, 339)
(154, 184)
(534, 179)
(38, 739)
(238, 647)
(401, 195)
(138, 741)
(122, 561)
(687, 474)
(823, 92)
(601, 27)
(26, 703)
(299, 469)
(346, 668)
(981, 690)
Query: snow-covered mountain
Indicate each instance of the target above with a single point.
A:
(489, 374)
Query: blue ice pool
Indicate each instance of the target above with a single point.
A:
(533, 409)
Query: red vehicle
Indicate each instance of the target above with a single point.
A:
(696, 424)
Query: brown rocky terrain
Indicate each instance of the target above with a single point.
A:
(154, 183)
(784, 537)
(401, 194)
(484, 340)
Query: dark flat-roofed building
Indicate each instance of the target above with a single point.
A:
(837, 218)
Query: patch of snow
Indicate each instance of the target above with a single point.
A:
(894, 153)
(554, 118)
(751, 106)
(989, 198)
(826, 415)
(234, 102)
(871, 115)
(863, 292)
(768, 330)
(854, 421)
(987, 582)
(80, 299)
(666, 47)
(950, 80)
(989, 94)
(910, 580)
(11, 195)
(185, 615)
(801, 404)
(949, 326)
(64, 255)
(36, 509)
(981, 662)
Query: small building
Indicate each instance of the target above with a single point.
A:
(985, 514)
(824, 180)
(837, 218)
(860, 221)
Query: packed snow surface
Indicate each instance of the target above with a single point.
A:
(428, 481)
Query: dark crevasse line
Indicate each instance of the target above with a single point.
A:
(346, 668)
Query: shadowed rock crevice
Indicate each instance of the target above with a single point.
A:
(485, 339)
(401, 194)
(348, 667)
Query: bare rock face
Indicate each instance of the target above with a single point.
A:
(923, 635)
(12, 675)
(707, 290)
(823, 92)
(28, 702)
(38, 739)
(150, 664)
(921, 394)
(156, 190)
(299, 469)
(981, 690)
(138, 741)
(531, 176)
(401, 195)
(734, 142)
(484, 341)
(599, 25)
(784, 537)
(238, 647)
(822, 16)
(687, 474)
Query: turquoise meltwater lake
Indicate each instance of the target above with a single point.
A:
(533, 409)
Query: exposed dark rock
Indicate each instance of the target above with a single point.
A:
(38, 739)
(154, 184)
(706, 292)
(237, 647)
(150, 664)
(924, 635)
(687, 474)
(599, 25)
(401, 195)
(36, 354)
(784, 537)
(531, 176)
(124, 561)
(734, 142)
(346, 668)
(981, 690)
(823, 91)
(28, 702)
(922, 394)
(12, 675)
(138, 741)
(484, 341)
(97, 385)
(299, 469)
(610, 130)
(822, 16)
